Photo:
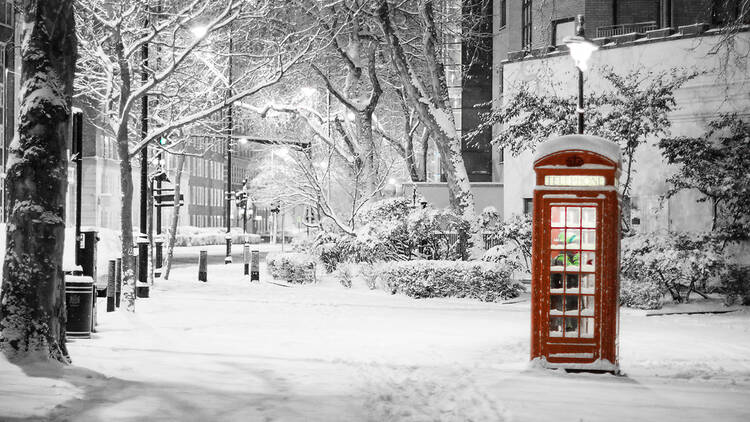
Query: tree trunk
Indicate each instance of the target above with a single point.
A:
(32, 300)
(126, 219)
(150, 232)
(175, 215)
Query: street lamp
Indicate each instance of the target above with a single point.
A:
(580, 50)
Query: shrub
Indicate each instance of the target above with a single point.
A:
(292, 266)
(640, 294)
(388, 209)
(329, 247)
(478, 280)
(437, 234)
(369, 273)
(679, 263)
(514, 234)
(345, 274)
(736, 285)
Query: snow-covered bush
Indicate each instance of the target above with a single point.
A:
(388, 209)
(345, 274)
(429, 278)
(640, 294)
(369, 273)
(329, 248)
(201, 236)
(735, 284)
(514, 234)
(679, 263)
(292, 266)
(437, 234)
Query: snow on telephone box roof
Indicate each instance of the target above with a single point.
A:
(595, 144)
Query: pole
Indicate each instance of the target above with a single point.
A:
(159, 243)
(78, 151)
(580, 32)
(580, 102)
(228, 258)
(143, 289)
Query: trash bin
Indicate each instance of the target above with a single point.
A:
(79, 304)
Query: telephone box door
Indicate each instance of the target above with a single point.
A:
(570, 317)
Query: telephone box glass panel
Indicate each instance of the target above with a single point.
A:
(572, 260)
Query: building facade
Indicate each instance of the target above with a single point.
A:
(654, 36)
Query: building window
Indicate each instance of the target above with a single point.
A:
(526, 25)
(503, 14)
(6, 13)
(528, 206)
(562, 28)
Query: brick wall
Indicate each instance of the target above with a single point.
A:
(686, 12)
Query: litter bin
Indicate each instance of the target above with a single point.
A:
(79, 304)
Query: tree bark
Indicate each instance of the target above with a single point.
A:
(32, 300)
(175, 215)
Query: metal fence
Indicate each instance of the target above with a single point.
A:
(626, 28)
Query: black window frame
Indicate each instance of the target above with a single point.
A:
(554, 29)
(526, 25)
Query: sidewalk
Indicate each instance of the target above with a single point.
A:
(231, 350)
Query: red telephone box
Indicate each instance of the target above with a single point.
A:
(576, 254)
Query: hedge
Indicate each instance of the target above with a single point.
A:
(293, 267)
(485, 281)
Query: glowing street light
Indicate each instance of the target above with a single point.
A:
(580, 50)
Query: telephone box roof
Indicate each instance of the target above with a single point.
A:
(590, 143)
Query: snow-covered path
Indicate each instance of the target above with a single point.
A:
(228, 350)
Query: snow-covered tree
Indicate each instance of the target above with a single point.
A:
(32, 309)
(191, 43)
(421, 71)
(716, 164)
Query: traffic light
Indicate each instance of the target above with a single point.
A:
(164, 140)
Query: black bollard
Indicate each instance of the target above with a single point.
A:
(255, 267)
(118, 281)
(111, 286)
(246, 258)
(203, 266)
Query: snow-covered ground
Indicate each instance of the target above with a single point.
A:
(229, 350)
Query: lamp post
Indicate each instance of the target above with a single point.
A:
(142, 288)
(228, 258)
(580, 50)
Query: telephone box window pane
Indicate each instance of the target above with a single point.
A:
(587, 327)
(587, 283)
(589, 217)
(556, 304)
(558, 217)
(571, 304)
(557, 261)
(573, 217)
(588, 260)
(571, 284)
(572, 260)
(587, 305)
(558, 238)
(556, 281)
(555, 327)
(588, 239)
(572, 239)
(571, 327)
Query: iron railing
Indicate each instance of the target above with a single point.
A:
(625, 28)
